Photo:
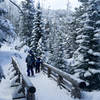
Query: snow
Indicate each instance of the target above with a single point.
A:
(94, 71)
(97, 34)
(87, 74)
(91, 62)
(96, 53)
(46, 88)
(13, 81)
(15, 92)
(88, 27)
(98, 22)
(80, 41)
(81, 36)
(6, 30)
(82, 47)
(5, 60)
(5, 92)
(97, 0)
(90, 51)
(95, 95)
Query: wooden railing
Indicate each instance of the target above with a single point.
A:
(20, 83)
(63, 79)
(25, 88)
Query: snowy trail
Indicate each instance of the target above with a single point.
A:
(46, 88)
(5, 60)
(5, 91)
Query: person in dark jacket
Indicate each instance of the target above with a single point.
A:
(30, 60)
(37, 65)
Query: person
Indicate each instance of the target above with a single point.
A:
(30, 60)
(37, 65)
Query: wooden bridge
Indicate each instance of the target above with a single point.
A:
(23, 87)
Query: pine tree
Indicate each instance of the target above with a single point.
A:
(27, 21)
(37, 30)
(7, 33)
(59, 52)
(57, 43)
(89, 46)
(51, 42)
(76, 25)
(78, 18)
(45, 40)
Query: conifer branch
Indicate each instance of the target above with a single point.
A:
(17, 6)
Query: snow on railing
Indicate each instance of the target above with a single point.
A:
(63, 79)
(22, 86)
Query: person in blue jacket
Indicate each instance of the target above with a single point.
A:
(37, 65)
(30, 60)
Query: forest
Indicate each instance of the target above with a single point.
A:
(66, 39)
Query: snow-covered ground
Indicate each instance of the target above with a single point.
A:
(46, 88)
(5, 91)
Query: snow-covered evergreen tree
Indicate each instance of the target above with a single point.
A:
(44, 40)
(78, 18)
(7, 33)
(59, 61)
(27, 21)
(51, 42)
(57, 41)
(75, 26)
(37, 30)
(88, 62)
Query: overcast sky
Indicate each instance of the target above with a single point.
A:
(58, 4)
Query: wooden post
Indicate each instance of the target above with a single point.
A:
(49, 72)
(19, 76)
(27, 89)
(31, 93)
(76, 92)
(42, 67)
(23, 86)
(60, 78)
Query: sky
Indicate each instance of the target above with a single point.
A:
(59, 4)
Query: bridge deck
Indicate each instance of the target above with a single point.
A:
(46, 88)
